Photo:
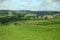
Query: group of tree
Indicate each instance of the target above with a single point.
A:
(20, 15)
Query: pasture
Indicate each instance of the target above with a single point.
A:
(48, 29)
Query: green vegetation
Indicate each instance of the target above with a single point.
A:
(31, 30)
(25, 25)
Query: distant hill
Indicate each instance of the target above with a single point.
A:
(34, 12)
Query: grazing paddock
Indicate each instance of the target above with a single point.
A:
(29, 30)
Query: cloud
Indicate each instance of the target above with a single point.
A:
(56, 0)
(35, 5)
(52, 5)
(15, 5)
(1, 1)
(47, 5)
(52, 1)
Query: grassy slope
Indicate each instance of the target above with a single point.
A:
(31, 32)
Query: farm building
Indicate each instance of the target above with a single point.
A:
(33, 16)
(47, 17)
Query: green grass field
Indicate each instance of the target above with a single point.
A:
(29, 30)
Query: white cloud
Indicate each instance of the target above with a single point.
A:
(23, 5)
(26, 5)
(1, 1)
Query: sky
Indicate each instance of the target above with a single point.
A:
(34, 5)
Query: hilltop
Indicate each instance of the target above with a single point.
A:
(34, 12)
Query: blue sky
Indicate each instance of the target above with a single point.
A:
(34, 5)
